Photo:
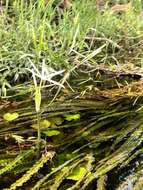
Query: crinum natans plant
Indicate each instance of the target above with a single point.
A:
(40, 78)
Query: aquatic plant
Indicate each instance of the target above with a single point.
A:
(106, 140)
(44, 76)
(96, 142)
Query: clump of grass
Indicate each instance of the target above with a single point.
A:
(66, 37)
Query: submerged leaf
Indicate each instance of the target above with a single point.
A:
(101, 182)
(33, 170)
(50, 133)
(18, 160)
(70, 117)
(43, 124)
(77, 173)
(10, 116)
(57, 120)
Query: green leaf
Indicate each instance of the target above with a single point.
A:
(43, 124)
(37, 99)
(70, 117)
(77, 173)
(50, 133)
(10, 116)
(57, 120)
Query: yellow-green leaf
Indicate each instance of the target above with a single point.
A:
(53, 125)
(77, 173)
(10, 116)
(57, 120)
(70, 117)
(37, 99)
(43, 124)
(50, 133)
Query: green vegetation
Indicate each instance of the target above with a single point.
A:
(71, 109)
(64, 39)
(105, 140)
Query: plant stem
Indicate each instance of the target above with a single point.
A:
(38, 134)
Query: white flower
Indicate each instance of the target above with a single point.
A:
(46, 74)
